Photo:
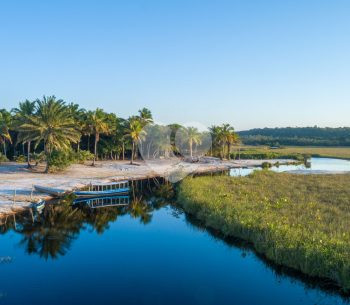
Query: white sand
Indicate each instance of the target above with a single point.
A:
(16, 181)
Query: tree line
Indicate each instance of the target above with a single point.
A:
(57, 132)
(299, 136)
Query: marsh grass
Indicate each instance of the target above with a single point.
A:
(290, 152)
(298, 221)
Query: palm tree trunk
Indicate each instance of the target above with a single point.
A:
(132, 153)
(23, 150)
(28, 154)
(88, 143)
(229, 150)
(95, 151)
(123, 151)
(191, 148)
(47, 153)
(5, 149)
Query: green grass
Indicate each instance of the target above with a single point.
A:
(299, 221)
(291, 152)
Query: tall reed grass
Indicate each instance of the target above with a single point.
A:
(299, 221)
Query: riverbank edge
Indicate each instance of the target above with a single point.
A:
(11, 204)
(195, 208)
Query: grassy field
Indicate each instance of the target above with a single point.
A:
(293, 152)
(299, 221)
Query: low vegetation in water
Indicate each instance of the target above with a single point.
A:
(297, 221)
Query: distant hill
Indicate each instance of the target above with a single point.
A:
(300, 136)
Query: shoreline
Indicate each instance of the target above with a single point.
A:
(16, 181)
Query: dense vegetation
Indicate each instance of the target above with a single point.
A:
(51, 130)
(299, 153)
(312, 136)
(297, 221)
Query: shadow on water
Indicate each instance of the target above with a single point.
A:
(278, 270)
(50, 233)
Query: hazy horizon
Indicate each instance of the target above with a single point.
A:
(235, 62)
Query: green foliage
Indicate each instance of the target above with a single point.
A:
(21, 159)
(60, 160)
(3, 158)
(299, 153)
(266, 165)
(264, 154)
(312, 136)
(294, 220)
(38, 157)
(83, 155)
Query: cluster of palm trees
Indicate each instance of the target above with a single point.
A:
(49, 124)
(53, 125)
(223, 138)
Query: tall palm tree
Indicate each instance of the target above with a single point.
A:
(215, 137)
(98, 122)
(136, 133)
(224, 138)
(231, 139)
(53, 124)
(193, 137)
(5, 121)
(79, 116)
(145, 116)
(24, 110)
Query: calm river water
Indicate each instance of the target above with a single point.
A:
(316, 165)
(147, 252)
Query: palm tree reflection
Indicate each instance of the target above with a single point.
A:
(50, 234)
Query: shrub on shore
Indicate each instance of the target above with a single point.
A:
(59, 160)
(21, 159)
(3, 158)
(298, 221)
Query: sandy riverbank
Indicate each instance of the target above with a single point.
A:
(16, 181)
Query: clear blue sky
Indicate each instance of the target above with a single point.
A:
(250, 63)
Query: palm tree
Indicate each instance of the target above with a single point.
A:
(215, 137)
(5, 121)
(232, 138)
(79, 116)
(53, 124)
(136, 132)
(24, 110)
(224, 137)
(99, 125)
(193, 137)
(145, 116)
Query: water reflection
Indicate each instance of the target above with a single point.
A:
(49, 233)
(313, 165)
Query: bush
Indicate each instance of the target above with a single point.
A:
(266, 165)
(3, 158)
(59, 160)
(38, 157)
(21, 159)
(83, 155)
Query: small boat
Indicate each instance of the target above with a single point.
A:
(50, 190)
(104, 189)
(39, 206)
(101, 202)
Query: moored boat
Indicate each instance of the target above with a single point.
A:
(104, 189)
(100, 202)
(50, 190)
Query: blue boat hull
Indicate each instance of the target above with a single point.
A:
(101, 193)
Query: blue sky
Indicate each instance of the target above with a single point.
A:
(249, 63)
